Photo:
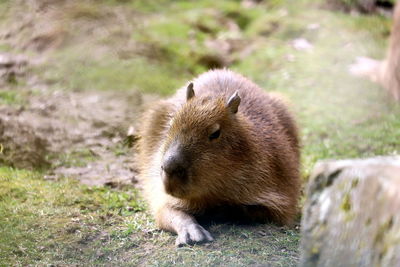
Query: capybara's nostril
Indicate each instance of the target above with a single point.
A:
(174, 168)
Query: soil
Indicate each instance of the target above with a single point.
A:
(83, 135)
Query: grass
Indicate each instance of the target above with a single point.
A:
(63, 222)
(8, 97)
(340, 116)
(42, 221)
(114, 75)
(77, 158)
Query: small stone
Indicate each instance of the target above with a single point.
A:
(313, 26)
(302, 44)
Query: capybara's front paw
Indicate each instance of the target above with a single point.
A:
(191, 234)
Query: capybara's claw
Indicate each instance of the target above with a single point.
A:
(193, 234)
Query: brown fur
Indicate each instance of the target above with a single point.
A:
(385, 72)
(391, 66)
(254, 162)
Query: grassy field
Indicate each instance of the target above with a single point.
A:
(154, 47)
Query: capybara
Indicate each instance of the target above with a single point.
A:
(220, 140)
(385, 72)
(391, 66)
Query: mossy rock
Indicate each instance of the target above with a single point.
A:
(351, 217)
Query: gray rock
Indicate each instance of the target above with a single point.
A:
(351, 216)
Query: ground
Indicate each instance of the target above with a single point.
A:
(76, 75)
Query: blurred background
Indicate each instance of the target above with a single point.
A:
(76, 75)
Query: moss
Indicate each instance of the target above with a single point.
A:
(354, 182)
(380, 236)
(314, 254)
(346, 203)
(382, 230)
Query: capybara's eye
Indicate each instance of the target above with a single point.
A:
(215, 134)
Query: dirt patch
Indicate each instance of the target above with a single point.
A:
(83, 135)
(41, 27)
(89, 129)
(94, 126)
(75, 134)
(11, 68)
(20, 146)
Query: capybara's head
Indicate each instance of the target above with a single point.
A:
(204, 143)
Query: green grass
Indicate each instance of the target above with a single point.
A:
(77, 158)
(9, 97)
(42, 220)
(62, 222)
(113, 74)
(166, 47)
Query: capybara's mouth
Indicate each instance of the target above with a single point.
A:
(174, 191)
(173, 186)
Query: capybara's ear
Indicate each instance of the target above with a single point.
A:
(234, 102)
(189, 91)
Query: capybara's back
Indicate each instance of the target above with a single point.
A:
(219, 141)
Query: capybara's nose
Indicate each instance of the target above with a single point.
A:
(174, 166)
